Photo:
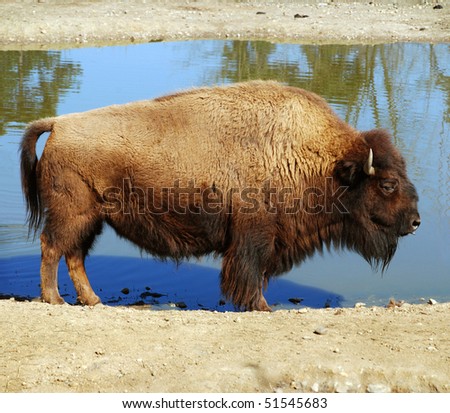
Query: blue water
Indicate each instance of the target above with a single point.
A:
(402, 87)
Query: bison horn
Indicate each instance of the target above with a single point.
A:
(368, 168)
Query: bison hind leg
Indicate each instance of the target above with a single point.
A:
(77, 272)
(50, 256)
(75, 264)
(72, 222)
(74, 243)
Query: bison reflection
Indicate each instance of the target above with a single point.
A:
(261, 174)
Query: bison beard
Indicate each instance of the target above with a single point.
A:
(377, 248)
(123, 165)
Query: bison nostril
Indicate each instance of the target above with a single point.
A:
(415, 224)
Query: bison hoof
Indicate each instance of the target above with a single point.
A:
(260, 305)
(55, 299)
(89, 301)
(264, 307)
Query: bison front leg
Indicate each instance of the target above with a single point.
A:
(243, 281)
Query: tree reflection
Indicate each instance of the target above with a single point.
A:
(32, 83)
(247, 60)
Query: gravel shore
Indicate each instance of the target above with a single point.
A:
(61, 24)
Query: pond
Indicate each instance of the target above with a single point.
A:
(404, 88)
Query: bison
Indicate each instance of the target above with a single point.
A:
(258, 173)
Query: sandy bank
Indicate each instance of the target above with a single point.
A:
(50, 24)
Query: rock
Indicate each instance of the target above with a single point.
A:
(146, 294)
(300, 16)
(181, 304)
(360, 305)
(438, 7)
(378, 388)
(392, 303)
(125, 291)
(432, 301)
(294, 385)
(342, 387)
(315, 387)
(295, 300)
(321, 330)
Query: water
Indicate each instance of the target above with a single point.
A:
(402, 87)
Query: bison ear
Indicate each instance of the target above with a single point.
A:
(349, 172)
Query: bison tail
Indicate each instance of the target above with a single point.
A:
(28, 166)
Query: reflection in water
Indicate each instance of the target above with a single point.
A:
(402, 87)
(32, 83)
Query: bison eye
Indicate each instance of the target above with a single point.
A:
(388, 185)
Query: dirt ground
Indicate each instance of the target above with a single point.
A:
(53, 23)
(46, 348)
(67, 348)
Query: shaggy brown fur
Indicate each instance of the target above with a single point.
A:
(261, 174)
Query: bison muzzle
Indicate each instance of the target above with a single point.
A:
(258, 173)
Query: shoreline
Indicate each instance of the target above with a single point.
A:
(51, 24)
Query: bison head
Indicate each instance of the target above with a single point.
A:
(380, 200)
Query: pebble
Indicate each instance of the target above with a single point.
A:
(378, 388)
(393, 303)
(432, 301)
(315, 387)
(342, 387)
(321, 330)
(181, 304)
(146, 294)
(294, 385)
